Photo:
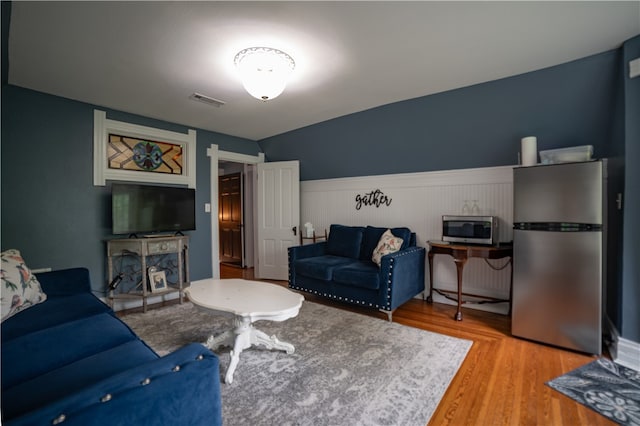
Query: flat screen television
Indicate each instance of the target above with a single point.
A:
(148, 209)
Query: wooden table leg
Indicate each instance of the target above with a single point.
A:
(459, 267)
(460, 254)
(430, 297)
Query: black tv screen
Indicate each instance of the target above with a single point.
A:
(138, 209)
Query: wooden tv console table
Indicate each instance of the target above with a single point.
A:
(143, 248)
(461, 253)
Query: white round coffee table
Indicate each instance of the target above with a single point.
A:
(247, 302)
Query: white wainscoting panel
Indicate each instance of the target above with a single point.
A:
(418, 201)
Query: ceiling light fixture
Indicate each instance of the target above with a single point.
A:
(264, 71)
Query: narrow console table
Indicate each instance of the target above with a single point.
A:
(461, 253)
(143, 248)
(314, 238)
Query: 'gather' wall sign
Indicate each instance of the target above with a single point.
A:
(373, 198)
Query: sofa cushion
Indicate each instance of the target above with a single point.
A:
(190, 396)
(320, 267)
(52, 385)
(55, 311)
(31, 355)
(372, 236)
(345, 241)
(388, 244)
(358, 274)
(20, 288)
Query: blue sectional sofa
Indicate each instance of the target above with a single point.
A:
(341, 268)
(70, 361)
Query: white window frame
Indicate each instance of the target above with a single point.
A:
(102, 127)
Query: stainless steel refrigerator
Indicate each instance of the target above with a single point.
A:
(559, 259)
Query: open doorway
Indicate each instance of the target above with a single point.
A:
(247, 162)
(235, 214)
(230, 223)
(276, 209)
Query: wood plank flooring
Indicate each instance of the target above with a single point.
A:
(502, 380)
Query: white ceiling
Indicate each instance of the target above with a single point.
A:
(148, 57)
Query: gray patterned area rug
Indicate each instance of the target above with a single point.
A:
(606, 387)
(347, 368)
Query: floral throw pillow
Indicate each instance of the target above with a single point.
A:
(388, 244)
(20, 289)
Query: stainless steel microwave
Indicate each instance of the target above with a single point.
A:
(470, 229)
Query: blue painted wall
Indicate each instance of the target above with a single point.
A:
(50, 209)
(477, 126)
(631, 259)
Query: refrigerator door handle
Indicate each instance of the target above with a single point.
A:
(557, 227)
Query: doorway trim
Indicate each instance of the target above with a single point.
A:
(215, 155)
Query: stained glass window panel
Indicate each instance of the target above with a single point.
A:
(130, 153)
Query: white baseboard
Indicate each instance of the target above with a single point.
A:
(623, 351)
(628, 354)
(501, 308)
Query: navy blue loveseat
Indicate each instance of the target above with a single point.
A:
(70, 361)
(341, 268)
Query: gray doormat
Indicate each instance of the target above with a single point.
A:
(606, 387)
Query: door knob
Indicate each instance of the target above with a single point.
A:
(295, 230)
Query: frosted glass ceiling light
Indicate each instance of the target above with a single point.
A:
(264, 71)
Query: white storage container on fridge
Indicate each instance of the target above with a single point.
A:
(567, 155)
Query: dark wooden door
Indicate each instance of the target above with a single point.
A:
(230, 218)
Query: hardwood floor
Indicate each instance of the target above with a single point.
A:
(502, 380)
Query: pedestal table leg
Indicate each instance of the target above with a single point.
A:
(242, 337)
(270, 342)
(224, 339)
(242, 332)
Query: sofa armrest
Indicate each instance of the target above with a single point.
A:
(180, 388)
(402, 276)
(308, 250)
(65, 282)
(303, 252)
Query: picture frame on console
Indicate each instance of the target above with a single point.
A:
(157, 281)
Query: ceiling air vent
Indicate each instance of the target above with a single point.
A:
(207, 100)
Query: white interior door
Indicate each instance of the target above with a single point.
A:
(278, 210)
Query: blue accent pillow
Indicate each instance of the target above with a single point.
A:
(345, 241)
